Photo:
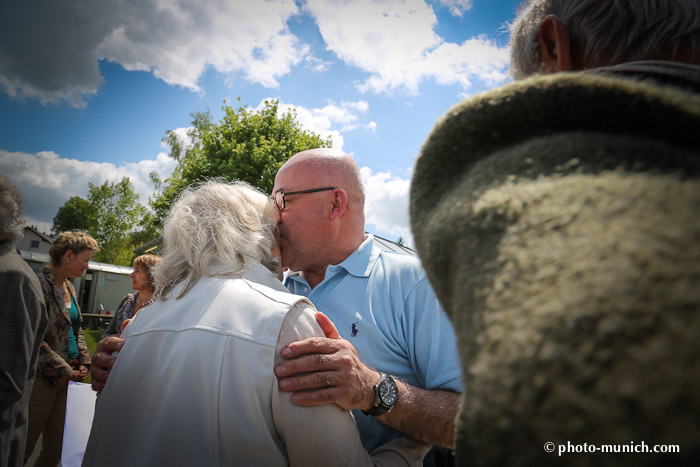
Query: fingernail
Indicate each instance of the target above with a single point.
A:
(284, 384)
(279, 370)
(286, 352)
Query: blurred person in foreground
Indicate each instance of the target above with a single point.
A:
(22, 325)
(564, 240)
(202, 355)
(142, 283)
(63, 356)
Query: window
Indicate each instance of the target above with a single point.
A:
(35, 244)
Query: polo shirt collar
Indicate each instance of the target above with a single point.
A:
(361, 261)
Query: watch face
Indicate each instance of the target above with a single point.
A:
(388, 392)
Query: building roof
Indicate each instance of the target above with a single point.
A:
(385, 244)
(92, 265)
(41, 235)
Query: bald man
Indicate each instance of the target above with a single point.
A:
(398, 341)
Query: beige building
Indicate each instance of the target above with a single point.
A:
(34, 241)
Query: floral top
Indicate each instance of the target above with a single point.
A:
(53, 354)
(124, 311)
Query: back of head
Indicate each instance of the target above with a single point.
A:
(609, 32)
(74, 240)
(216, 229)
(11, 222)
(147, 262)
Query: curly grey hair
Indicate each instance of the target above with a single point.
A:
(11, 221)
(608, 32)
(215, 229)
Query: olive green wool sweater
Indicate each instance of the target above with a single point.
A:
(558, 219)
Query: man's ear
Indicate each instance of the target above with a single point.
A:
(339, 202)
(555, 46)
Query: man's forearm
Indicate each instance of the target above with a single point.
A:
(428, 416)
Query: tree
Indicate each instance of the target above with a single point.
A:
(118, 212)
(75, 214)
(245, 145)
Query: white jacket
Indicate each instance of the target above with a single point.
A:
(194, 386)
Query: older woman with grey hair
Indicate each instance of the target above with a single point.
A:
(22, 326)
(194, 382)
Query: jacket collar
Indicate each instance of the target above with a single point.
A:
(258, 273)
(254, 272)
(57, 291)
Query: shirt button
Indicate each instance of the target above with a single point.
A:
(306, 289)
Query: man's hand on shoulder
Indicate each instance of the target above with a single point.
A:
(103, 360)
(330, 367)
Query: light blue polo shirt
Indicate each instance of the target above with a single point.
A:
(383, 304)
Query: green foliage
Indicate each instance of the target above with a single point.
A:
(118, 212)
(245, 145)
(92, 337)
(75, 214)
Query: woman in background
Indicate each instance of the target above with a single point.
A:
(142, 283)
(63, 355)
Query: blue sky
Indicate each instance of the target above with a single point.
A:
(88, 89)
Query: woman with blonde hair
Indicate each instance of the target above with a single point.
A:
(63, 355)
(200, 359)
(142, 283)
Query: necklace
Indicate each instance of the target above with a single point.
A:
(142, 304)
(66, 303)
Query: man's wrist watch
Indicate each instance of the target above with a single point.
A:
(386, 395)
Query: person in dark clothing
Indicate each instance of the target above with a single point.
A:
(22, 325)
(557, 220)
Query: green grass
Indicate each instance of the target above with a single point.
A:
(92, 337)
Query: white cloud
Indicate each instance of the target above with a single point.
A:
(395, 42)
(316, 64)
(324, 120)
(46, 180)
(183, 137)
(457, 7)
(475, 58)
(53, 55)
(386, 205)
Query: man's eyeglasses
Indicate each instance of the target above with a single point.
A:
(279, 195)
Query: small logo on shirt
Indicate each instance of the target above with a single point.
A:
(353, 333)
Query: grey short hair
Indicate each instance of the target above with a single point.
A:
(608, 32)
(215, 229)
(11, 221)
